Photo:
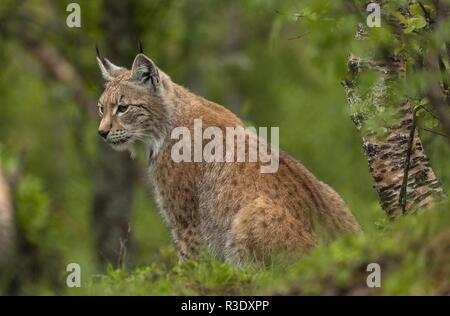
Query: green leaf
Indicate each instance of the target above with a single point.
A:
(418, 22)
(401, 18)
(416, 9)
(409, 30)
(421, 113)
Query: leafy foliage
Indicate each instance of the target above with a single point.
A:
(413, 255)
(274, 63)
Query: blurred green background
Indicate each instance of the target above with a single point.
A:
(255, 57)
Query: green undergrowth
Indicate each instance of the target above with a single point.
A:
(413, 253)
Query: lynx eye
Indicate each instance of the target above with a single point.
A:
(122, 108)
(100, 110)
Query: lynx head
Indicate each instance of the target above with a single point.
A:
(134, 107)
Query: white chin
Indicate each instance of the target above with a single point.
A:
(121, 147)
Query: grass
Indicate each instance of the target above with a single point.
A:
(413, 252)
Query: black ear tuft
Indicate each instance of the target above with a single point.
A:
(97, 51)
(108, 69)
(145, 71)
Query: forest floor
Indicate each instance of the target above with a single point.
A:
(413, 253)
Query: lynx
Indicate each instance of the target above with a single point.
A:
(231, 209)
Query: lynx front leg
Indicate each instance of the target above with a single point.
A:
(188, 242)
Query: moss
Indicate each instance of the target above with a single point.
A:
(413, 252)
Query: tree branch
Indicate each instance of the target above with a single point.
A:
(59, 68)
(433, 132)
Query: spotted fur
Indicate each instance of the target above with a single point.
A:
(233, 210)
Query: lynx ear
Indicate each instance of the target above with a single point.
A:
(145, 71)
(108, 69)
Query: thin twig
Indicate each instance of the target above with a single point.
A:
(426, 12)
(404, 189)
(433, 132)
(431, 113)
(298, 37)
(123, 250)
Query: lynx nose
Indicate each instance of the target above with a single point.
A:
(103, 133)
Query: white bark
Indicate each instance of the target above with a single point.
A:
(7, 223)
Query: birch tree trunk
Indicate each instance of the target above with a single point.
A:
(403, 176)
